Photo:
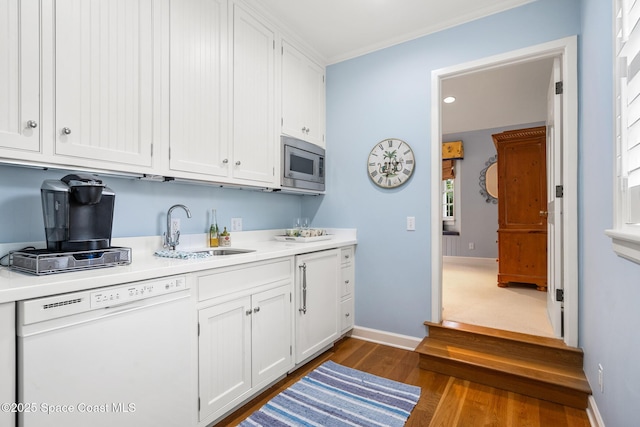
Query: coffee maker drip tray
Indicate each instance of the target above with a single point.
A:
(42, 261)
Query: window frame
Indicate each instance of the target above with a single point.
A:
(625, 235)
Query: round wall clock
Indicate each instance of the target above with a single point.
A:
(390, 163)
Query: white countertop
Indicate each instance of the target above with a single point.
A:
(15, 285)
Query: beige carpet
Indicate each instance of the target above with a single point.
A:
(470, 295)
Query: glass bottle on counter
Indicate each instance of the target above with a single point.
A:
(225, 238)
(214, 230)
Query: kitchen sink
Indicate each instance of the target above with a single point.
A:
(205, 253)
(224, 252)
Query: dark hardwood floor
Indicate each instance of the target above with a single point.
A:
(445, 401)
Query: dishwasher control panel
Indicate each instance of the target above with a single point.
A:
(123, 294)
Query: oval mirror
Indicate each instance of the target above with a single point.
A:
(489, 180)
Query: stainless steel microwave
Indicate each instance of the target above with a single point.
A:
(303, 166)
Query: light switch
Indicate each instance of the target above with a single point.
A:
(411, 223)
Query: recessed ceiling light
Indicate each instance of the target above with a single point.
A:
(449, 99)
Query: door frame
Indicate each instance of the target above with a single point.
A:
(566, 49)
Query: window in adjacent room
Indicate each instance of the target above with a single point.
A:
(450, 195)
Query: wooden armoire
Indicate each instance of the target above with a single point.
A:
(522, 207)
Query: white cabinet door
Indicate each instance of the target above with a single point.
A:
(317, 299)
(20, 76)
(224, 354)
(104, 82)
(271, 334)
(303, 96)
(254, 138)
(198, 87)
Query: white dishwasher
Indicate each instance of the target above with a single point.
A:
(113, 356)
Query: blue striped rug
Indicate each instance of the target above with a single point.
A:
(334, 395)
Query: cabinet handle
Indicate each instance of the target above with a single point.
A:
(303, 267)
(225, 161)
(257, 309)
(238, 163)
(248, 312)
(32, 124)
(544, 213)
(66, 131)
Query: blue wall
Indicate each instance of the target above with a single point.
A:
(609, 285)
(387, 94)
(141, 206)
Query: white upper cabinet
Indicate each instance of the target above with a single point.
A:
(104, 82)
(198, 140)
(19, 77)
(303, 96)
(190, 89)
(254, 138)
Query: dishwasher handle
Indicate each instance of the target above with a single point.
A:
(303, 269)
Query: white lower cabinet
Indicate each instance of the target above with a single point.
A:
(245, 333)
(347, 282)
(316, 289)
(8, 361)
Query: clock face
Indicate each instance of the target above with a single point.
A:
(390, 163)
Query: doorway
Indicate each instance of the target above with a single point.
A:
(566, 258)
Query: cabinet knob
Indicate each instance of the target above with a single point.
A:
(225, 161)
(238, 163)
(248, 312)
(304, 129)
(346, 282)
(257, 309)
(347, 314)
(32, 124)
(544, 213)
(66, 131)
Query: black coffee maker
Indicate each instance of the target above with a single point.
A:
(78, 213)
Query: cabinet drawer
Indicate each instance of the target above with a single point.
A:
(239, 278)
(346, 280)
(346, 315)
(346, 255)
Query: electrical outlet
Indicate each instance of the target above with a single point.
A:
(175, 225)
(601, 378)
(472, 245)
(236, 224)
(411, 223)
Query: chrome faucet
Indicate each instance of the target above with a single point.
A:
(169, 237)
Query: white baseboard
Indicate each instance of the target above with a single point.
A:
(468, 260)
(404, 342)
(595, 419)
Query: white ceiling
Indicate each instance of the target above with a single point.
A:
(343, 29)
(505, 96)
(338, 30)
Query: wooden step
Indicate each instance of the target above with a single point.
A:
(539, 367)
